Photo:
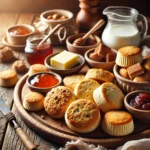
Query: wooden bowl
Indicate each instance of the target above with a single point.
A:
(95, 64)
(128, 85)
(80, 49)
(20, 39)
(137, 113)
(43, 90)
(65, 72)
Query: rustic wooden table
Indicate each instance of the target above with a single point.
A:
(8, 138)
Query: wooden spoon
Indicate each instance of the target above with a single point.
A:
(81, 41)
(50, 33)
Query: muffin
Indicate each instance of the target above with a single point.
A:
(37, 68)
(72, 80)
(8, 78)
(117, 123)
(128, 56)
(57, 101)
(85, 88)
(99, 75)
(33, 101)
(108, 97)
(82, 116)
(19, 66)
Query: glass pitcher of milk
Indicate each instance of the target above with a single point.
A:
(121, 29)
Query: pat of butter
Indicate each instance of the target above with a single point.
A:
(64, 60)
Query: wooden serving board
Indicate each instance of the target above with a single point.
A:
(56, 130)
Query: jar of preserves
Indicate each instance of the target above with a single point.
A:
(34, 54)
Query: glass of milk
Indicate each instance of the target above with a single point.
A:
(121, 29)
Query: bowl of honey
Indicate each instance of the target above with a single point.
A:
(17, 34)
(43, 82)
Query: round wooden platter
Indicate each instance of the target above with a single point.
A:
(56, 130)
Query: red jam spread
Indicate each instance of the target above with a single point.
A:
(20, 31)
(141, 101)
(44, 81)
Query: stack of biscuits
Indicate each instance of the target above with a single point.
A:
(132, 65)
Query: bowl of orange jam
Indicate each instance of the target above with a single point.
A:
(17, 34)
(43, 82)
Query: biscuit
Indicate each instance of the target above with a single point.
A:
(94, 56)
(128, 56)
(57, 101)
(37, 68)
(118, 123)
(82, 116)
(110, 57)
(72, 80)
(108, 97)
(124, 73)
(8, 78)
(99, 75)
(19, 66)
(146, 65)
(33, 101)
(85, 88)
(6, 54)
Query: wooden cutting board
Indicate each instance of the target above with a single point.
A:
(57, 131)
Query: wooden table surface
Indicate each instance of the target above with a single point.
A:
(8, 138)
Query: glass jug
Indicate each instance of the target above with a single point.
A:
(121, 29)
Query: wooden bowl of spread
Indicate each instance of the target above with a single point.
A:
(17, 35)
(43, 82)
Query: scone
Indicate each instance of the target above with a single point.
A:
(6, 54)
(33, 101)
(37, 68)
(82, 116)
(124, 73)
(108, 97)
(85, 88)
(146, 64)
(72, 80)
(57, 101)
(118, 123)
(19, 66)
(8, 78)
(99, 75)
(128, 56)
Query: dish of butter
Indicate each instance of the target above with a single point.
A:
(64, 60)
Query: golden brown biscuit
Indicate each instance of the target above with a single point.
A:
(99, 75)
(124, 73)
(37, 68)
(8, 78)
(128, 56)
(6, 54)
(117, 123)
(57, 101)
(146, 64)
(72, 80)
(85, 88)
(82, 116)
(19, 66)
(33, 101)
(108, 97)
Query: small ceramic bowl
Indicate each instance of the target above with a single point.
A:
(80, 49)
(39, 89)
(137, 113)
(128, 85)
(65, 72)
(17, 34)
(95, 64)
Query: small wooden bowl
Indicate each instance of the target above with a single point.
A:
(19, 39)
(128, 85)
(43, 90)
(95, 64)
(65, 72)
(137, 113)
(80, 49)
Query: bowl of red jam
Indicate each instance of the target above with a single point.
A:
(17, 34)
(43, 82)
(138, 104)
